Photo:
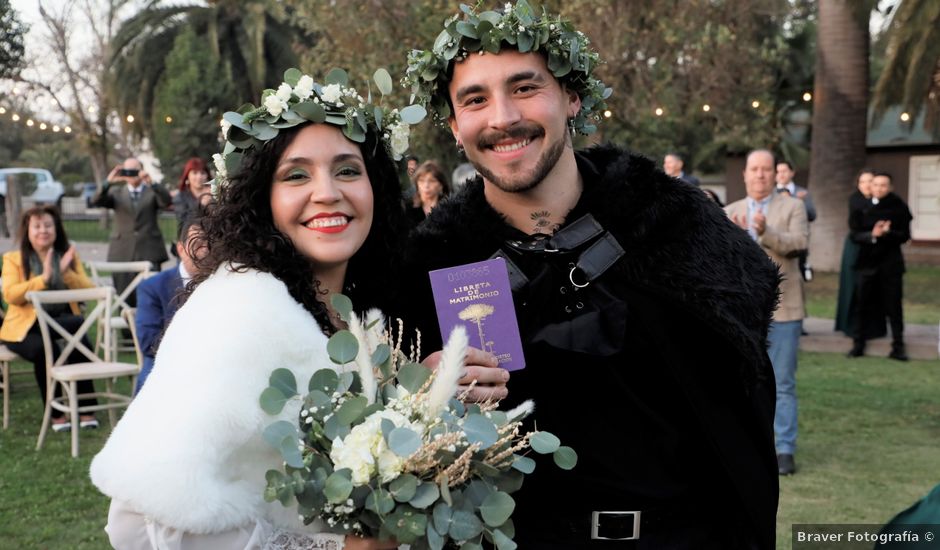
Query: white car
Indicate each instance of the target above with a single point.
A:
(39, 187)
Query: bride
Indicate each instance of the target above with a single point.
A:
(308, 212)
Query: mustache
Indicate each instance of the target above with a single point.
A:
(521, 130)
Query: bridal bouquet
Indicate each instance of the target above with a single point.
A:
(384, 448)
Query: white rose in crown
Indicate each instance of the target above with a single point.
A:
(331, 93)
(304, 87)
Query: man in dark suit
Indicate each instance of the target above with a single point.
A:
(879, 269)
(137, 203)
(674, 165)
(158, 297)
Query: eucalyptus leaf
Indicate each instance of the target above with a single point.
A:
(445, 491)
(337, 120)
(426, 494)
(383, 80)
(263, 131)
(480, 429)
(273, 400)
(544, 443)
(292, 76)
(565, 458)
(381, 354)
(502, 541)
(412, 376)
(403, 487)
(324, 380)
(236, 120)
(284, 380)
(342, 305)
(403, 441)
(354, 132)
(524, 464)
(477, 491)
(510, 481)
(467, 29)
(276, 432)
(311, 111)
(342, 347)
(441, 517)
(435, 540)
(378, 113)
(497, 508)
(413, 114)
(338, 486)
(337, 76)
(290, 451)
(464, 525)
(525, 42)
(442, 39)
(387, 427)
(351, 410)
(380, 501)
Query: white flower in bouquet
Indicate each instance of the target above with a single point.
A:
(365, 452)
(274, 104)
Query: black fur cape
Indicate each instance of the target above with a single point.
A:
(681, 250)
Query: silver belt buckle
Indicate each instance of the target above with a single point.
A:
(597, 517)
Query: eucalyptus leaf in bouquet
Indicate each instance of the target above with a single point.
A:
(384, 447)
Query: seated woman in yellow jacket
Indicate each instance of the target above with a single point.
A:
(45, 261)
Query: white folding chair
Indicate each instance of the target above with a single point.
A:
(96, 368)
(130, 317)
(99, 273)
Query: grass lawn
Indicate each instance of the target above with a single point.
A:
(921, 295)
(89, 230)
(868, 433)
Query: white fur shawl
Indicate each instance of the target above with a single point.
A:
(188, 453)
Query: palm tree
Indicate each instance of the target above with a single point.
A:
(911, 77)
(839, 121)
(243, 35)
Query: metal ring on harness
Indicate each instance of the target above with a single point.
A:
(571, 278)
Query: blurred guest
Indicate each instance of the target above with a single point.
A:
(879, 269)
(432, 186)
(45, 261)
(408, 191)
(463, 174)
(859, 200)
(778, 223)
(194, 189)
(159, 297)
(785, 184)
(673, 165)
(137, 203)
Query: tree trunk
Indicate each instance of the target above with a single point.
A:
(839, 124)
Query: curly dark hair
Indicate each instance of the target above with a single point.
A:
(239, 230)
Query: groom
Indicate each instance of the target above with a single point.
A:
(643, 310)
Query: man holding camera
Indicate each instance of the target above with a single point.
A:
(135, 235)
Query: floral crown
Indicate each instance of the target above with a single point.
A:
(299, 100)
(569, 55)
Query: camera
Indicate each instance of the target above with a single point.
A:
(129, 172)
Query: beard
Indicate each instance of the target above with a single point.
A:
(520, 182)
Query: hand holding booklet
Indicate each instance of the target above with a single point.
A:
(478, 296)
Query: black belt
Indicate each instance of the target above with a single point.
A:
(618, 525)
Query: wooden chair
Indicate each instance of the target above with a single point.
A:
(99, 273)
(130, 317)
(6, 357)
(96, 368)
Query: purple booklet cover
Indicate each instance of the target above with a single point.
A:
(478, 297)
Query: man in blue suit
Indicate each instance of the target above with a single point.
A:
(159, 297)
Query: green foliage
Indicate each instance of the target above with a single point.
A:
(12, 31)
(192, 91)
(911, 74)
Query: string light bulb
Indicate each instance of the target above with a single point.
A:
(807, 96)
(706, 107)
(56, 128)
(68, 130)
(15, 117)
(168, 119)
(905, 117)
(29, 122)
(42, 126)
(659, 111)
(755, 104)
(3, 111)
(130, 118)
(608, 114)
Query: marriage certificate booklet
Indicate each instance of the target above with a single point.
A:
(478, 297)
